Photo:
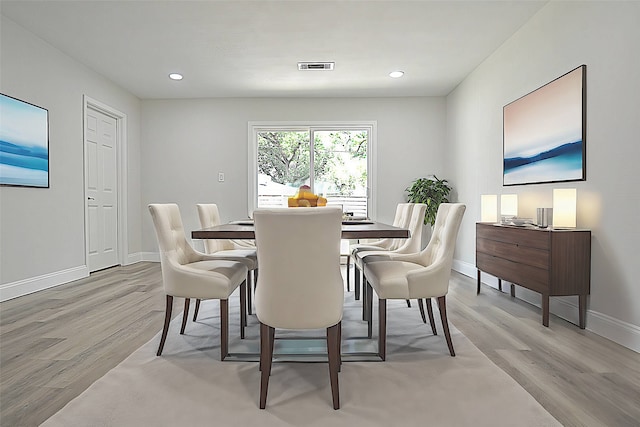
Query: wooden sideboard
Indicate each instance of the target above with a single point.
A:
(553, 262)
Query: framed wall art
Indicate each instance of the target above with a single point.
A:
(24, 143)
(544, 133)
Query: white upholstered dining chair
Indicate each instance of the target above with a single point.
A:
(209, 216)
(188, 274)
(424, 274)
(411, 245)
(401, 219)
(300, 285)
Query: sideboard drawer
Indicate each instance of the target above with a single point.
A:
(534, 278)
(517, 236)
(514, 252)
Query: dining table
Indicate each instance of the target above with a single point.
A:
(351, 229)
(356, 345)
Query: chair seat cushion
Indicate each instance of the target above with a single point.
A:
(389, 278)
(248, 257)
(361, 257)
(355, 249)
(211, 279)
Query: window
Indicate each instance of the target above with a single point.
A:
(335, 160)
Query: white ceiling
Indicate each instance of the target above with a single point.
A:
(251, 48)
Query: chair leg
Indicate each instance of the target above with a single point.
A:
(382, 328)
(431, 319)
(348, 268)
(249, 304)
(333, 345)
(261, 348)
(185, 315)
(243, 308)
(266, 356)
(224, 328)
(340, 346)
(195, 312)
(442, 305)
(272, 340)
(365, 290)
(421, 307)
(167, 320)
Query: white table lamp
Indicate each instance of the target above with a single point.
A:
(509, 205)
(489, 208)
(564, 207)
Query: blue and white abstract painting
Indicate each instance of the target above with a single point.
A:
(24, 143)
(543, 133)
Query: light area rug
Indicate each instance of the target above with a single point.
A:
(418, 384)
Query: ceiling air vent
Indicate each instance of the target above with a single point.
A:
(326, 66)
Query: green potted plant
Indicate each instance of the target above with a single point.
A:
(431, 191)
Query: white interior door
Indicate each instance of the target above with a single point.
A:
(102, 198)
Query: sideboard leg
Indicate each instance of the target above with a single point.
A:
(513, 290)
(478, 291)
(545, 310)
(582, 310)
(500, 285)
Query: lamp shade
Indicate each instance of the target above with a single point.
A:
(564, 207)
(509, 205)
(489, 208)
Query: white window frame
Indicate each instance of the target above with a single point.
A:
(255, 127)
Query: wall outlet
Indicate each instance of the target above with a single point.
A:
(220, 176)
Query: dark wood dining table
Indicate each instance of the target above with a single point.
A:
(351, 229)
(355, 347)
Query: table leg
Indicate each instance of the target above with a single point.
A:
(356, 280)
(365, 293)
(249, 287)
(369, 304)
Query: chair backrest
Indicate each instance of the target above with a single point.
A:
(175, 250)
(403, 211)
(210, 217)
(444, 234)
(300, 285)
(403, 214)
(414, 243)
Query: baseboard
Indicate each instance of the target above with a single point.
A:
(34, 284)
(616, 330)
(150, 256)
(133, 258)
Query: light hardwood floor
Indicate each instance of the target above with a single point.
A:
(55, 343)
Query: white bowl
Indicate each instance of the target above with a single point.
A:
(520, 221)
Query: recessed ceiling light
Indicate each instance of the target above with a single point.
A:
(396, 74)
(175, 76)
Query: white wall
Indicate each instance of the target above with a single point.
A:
(563, 35)
(185, 143)
(42, 230)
